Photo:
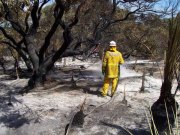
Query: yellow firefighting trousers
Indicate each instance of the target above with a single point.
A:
(106, 84)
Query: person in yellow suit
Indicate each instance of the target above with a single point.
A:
(111, 68)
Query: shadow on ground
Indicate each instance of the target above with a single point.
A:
(11, 74)
(123, 131)
(11, 114)
(14, 120)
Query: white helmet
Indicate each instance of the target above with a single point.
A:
(112, 43)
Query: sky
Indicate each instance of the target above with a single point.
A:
(162, 4)
(159, 5)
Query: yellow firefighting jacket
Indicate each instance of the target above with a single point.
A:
(111, 62)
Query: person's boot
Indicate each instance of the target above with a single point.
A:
(112, 94)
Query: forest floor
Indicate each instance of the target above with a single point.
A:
(47, 110)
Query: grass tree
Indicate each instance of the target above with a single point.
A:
(166, 105)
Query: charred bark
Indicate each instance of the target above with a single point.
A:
(25, 59)
(41, 69)
(37, 79)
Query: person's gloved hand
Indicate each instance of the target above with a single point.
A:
(103, 72)
(119, 69)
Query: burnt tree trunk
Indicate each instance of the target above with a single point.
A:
(42, 68)
(37, 79)
(26, 60)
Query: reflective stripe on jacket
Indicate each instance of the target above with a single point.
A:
(111, 62)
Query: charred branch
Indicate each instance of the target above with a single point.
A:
(7, 43)
(8, 36)
(20, 52)
(107, 20)
(40, 8)
(32, 52)
(34, 17)
(52, 30)
(67, 40)
(60, 8)
(9, 17)
(76, 17)
(26, 22)
(126, 17)
(21, 47)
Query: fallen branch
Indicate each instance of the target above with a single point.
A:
(80, 115)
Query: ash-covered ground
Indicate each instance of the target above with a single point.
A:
(47, 110)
